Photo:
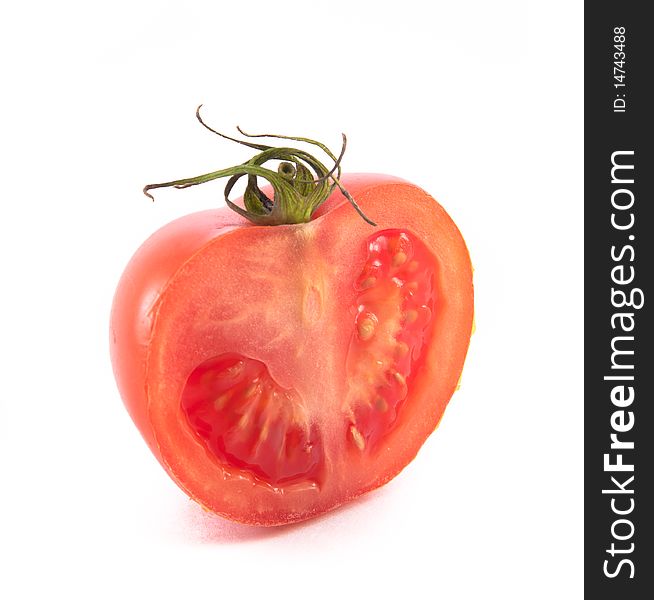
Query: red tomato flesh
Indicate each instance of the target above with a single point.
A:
(277, 372)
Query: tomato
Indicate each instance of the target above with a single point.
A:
(278, 372)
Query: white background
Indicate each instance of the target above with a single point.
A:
(477, 102)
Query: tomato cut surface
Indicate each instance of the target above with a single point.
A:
(278, 372)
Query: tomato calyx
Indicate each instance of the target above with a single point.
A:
(301, 182)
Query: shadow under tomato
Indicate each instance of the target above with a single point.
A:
(202, 527)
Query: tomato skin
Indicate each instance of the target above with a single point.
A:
(141, 354)
(137, 295)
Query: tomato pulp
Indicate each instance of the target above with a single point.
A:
(278, 372)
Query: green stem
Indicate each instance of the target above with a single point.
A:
(301, 183)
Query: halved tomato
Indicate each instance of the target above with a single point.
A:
(278, 372)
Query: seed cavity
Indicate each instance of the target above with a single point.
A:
(357, 438)
(391, 316)
(250, 423)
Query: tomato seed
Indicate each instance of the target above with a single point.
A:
(410, 316)
(399, 378)
(401, 349)
(357, 438)
(381, 405)
(219, 403)
(399, 259)
(366, 327)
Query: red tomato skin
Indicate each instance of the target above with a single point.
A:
(143, 287)
(137, 296)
